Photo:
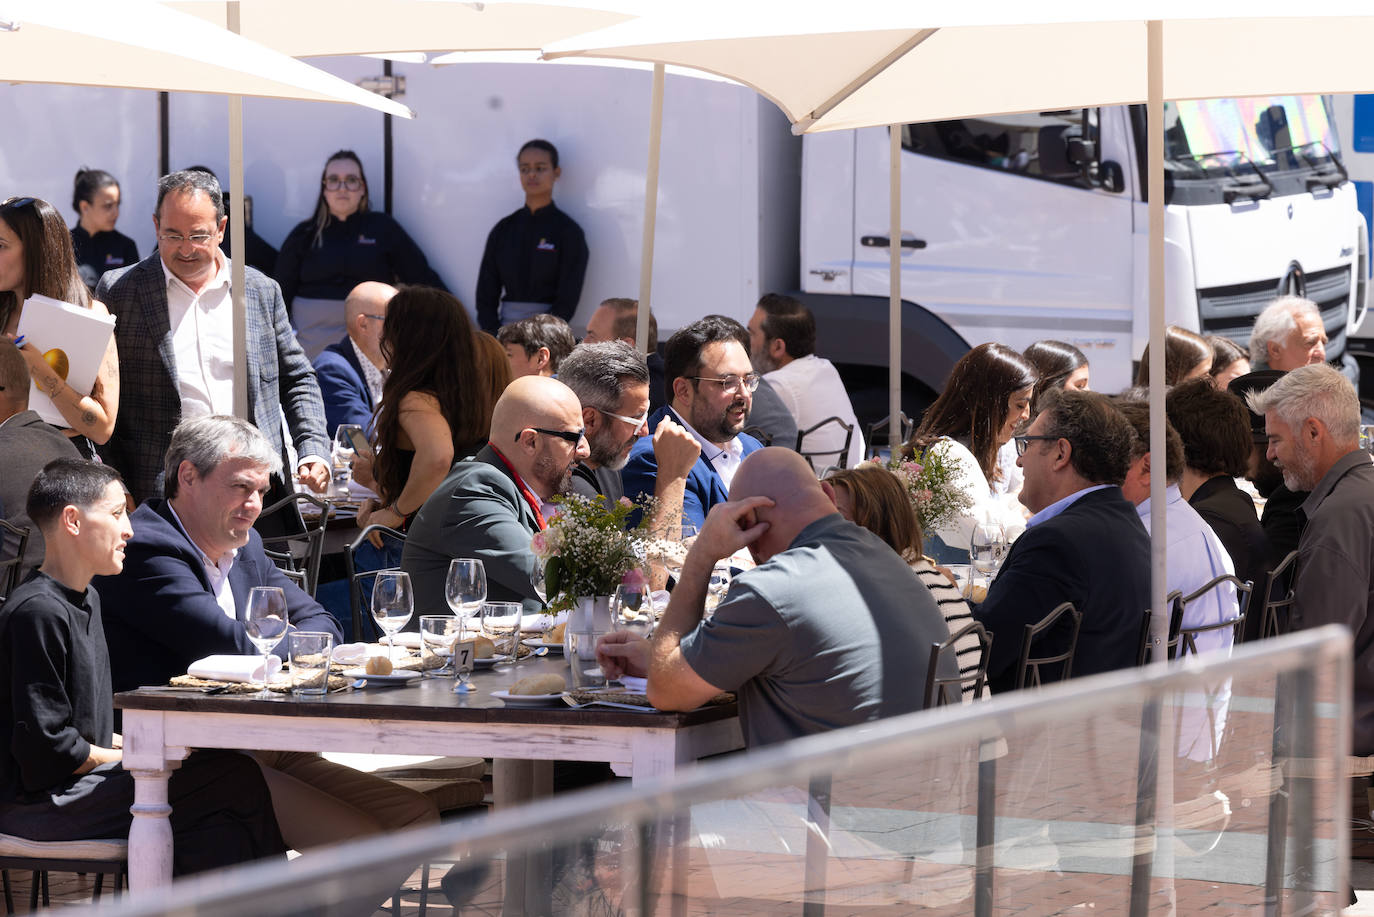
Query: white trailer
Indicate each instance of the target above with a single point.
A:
(1016, 228)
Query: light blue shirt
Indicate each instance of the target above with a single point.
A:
(1057, 507)
(1195, 557)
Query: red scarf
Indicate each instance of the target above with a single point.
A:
(525, 492)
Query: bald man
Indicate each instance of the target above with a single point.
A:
(831, 629)
(490, 507)
(352, 371)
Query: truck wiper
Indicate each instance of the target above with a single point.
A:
(1327, 169)
(1252, 185)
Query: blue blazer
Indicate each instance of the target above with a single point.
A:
(1096, 554)
(160, 615)
(343, 387)
(704, 487)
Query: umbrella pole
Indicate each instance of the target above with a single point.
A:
(236, 241)
(646, 255)
(894, 287)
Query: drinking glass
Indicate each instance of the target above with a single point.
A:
(392, 605)
(341, 458)
(265, 623)
(986, 550)
(680, 539)
(310, 652)
(501, 625)
(716, 587)
(581, 652)
(465, 589)
(438, 633)
(539, 582)
(632, 609)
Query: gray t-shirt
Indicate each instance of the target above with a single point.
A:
(832, 632)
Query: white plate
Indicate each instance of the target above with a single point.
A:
(489, 661)
(538, 644)
(395, 678)
(528, 700)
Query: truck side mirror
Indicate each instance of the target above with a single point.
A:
(1110, 177)
(1080, 152)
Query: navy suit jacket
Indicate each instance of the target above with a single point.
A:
(343, 387)
(160, 615)
(1096, 554)
(704, 487)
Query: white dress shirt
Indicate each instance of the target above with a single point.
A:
(812, 389)
(725, 462)
(203, 342)
(216, 570)
(373, 377)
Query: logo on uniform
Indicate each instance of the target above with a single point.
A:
(364, 240)
(113, 261)
(545, 246)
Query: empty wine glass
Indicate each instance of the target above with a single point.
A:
(341, 457)
(265, 622)
(501, 625)
(986, 549)
(680, 539)
(392, 605)
(538, 579)
(465, 589)
(632, 609)
(716, 587)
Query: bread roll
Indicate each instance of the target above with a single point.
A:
(555, 634)
(377, 665)
(976, 594)
(482, 647)
(539, 684)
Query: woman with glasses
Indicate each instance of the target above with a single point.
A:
(36, 258)
(342, 245)
(98, 246)
(436, 404)
(987, 396)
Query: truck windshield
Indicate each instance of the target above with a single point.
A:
(1276, 133)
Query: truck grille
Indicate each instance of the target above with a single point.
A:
(1231, 311)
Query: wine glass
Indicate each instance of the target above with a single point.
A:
(986, 549)
(465, 589)
(539, 580)
(265, 623)
(680, 538)
(632, 608)
(341, 457)
(716, 587)
(392, 605)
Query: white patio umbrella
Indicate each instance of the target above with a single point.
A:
(859, 64)
(138, 44)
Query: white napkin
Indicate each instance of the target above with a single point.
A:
(356, 653)
(542, 622)
(234, 668)
(409, 639)
(634, 685)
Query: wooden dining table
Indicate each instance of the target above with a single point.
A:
(161, 726)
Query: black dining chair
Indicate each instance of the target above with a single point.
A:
(14, 541)
(1028, 670)
(878, 432)
(356, 578)
(759, 434)
(1146, 651)
(297, 552)
(841, 459)
(1274, 610)
(951, 689)
(1185, 643)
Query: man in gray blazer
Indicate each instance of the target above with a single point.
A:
(174, 330)
(490, 506)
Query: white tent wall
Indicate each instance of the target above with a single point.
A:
(111, 129)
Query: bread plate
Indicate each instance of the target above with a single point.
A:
(528, 700)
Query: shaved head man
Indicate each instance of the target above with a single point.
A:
(806, 644)
(490, 506)
(353, 370)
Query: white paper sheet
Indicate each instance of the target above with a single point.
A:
(82, 334)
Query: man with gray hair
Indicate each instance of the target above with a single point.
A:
(1289, 333)
(188, 571)
(1312, 418)
(174, 332)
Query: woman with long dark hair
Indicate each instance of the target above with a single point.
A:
(1187, 355)
(987, 396)
(1229, 360)
(1059, 365)
(343, 244)
(434, 406)
(99, 247)
(36, 258)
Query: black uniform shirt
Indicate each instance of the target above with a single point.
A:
(104, 251)
(532, 257)
(367, 246)
(55, 695)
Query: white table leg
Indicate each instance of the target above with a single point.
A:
(150, 762)
(515, 782)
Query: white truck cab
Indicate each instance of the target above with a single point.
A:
(1022, 227)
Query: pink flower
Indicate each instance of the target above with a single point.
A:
(625, 502)
(539, 544)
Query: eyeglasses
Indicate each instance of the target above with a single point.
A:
(635, 422)
(380, 318)
(199, 239)
(571, 436)
(732, 382)
(1023, 442)
(352, 183)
